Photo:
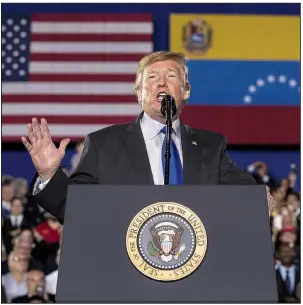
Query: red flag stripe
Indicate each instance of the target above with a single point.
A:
(61, 98)
(92, 17)
(75, 119)
(91, 37)
(248, 124)
(82, 78)
(85, 57)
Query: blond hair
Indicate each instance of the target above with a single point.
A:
(162, 56)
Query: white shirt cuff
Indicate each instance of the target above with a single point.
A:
(39, 185)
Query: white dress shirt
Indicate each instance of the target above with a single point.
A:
(12, 288)
(16, 220)
(51, 282)
(291, 273)
(153, 137)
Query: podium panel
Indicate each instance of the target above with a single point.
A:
(98, 256)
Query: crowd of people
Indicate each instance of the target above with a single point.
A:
(31, 240)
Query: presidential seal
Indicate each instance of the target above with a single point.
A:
(166, 241)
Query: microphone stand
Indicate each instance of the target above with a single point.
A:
(168, 116)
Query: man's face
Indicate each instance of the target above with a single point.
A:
(18, 262)
(162, 76)
(279, 194)
(23, 243)
(21, 191)
(287, 255)
(16, 207)
(35, 279)
(288, 237)
(7, 192)
(284, 184)
(292, 200)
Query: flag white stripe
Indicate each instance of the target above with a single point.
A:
(104, 109)
(92, 47)
(92, 27)
(69, 130)
(83, 67)
(101, 88)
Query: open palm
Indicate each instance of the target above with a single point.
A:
(45, 155)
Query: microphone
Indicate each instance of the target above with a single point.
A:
(168, 106)
(168, 110)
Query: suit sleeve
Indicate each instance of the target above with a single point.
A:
(229, 172)
(53, 196)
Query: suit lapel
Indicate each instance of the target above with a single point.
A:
(135, 143)
(191, 155)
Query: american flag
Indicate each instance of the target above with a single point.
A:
(76, 70)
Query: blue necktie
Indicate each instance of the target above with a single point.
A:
(175, 169)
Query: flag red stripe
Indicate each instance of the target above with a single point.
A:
(248, 124)
(85, 57)
(61, 98)
(75, 119)
(82, 78)
(92, 37)
(92, 17)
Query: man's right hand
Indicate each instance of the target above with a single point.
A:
(44, 153)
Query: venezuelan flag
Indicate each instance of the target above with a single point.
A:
(245, 75)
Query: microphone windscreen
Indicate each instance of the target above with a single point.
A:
(168, 99)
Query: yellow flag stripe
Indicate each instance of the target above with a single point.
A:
(248, 37)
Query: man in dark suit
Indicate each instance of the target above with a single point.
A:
(14, 224)
(288, 274)
(132, 153)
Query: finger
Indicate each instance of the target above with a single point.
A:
(26, 143)
(63, 145)
(31, 134)
(36, 128)
(45, 130)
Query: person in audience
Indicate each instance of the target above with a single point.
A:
(50, 230)
(35, 287)
(20, 187)
(23, 244)
(259, 170)
(14, 282)
(288, 274)
(12, 225)
(76, 157)
(7, 193)
(293, 203)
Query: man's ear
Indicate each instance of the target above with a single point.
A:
(186, 95)
(139, 96)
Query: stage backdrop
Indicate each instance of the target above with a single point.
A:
(75, 65)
